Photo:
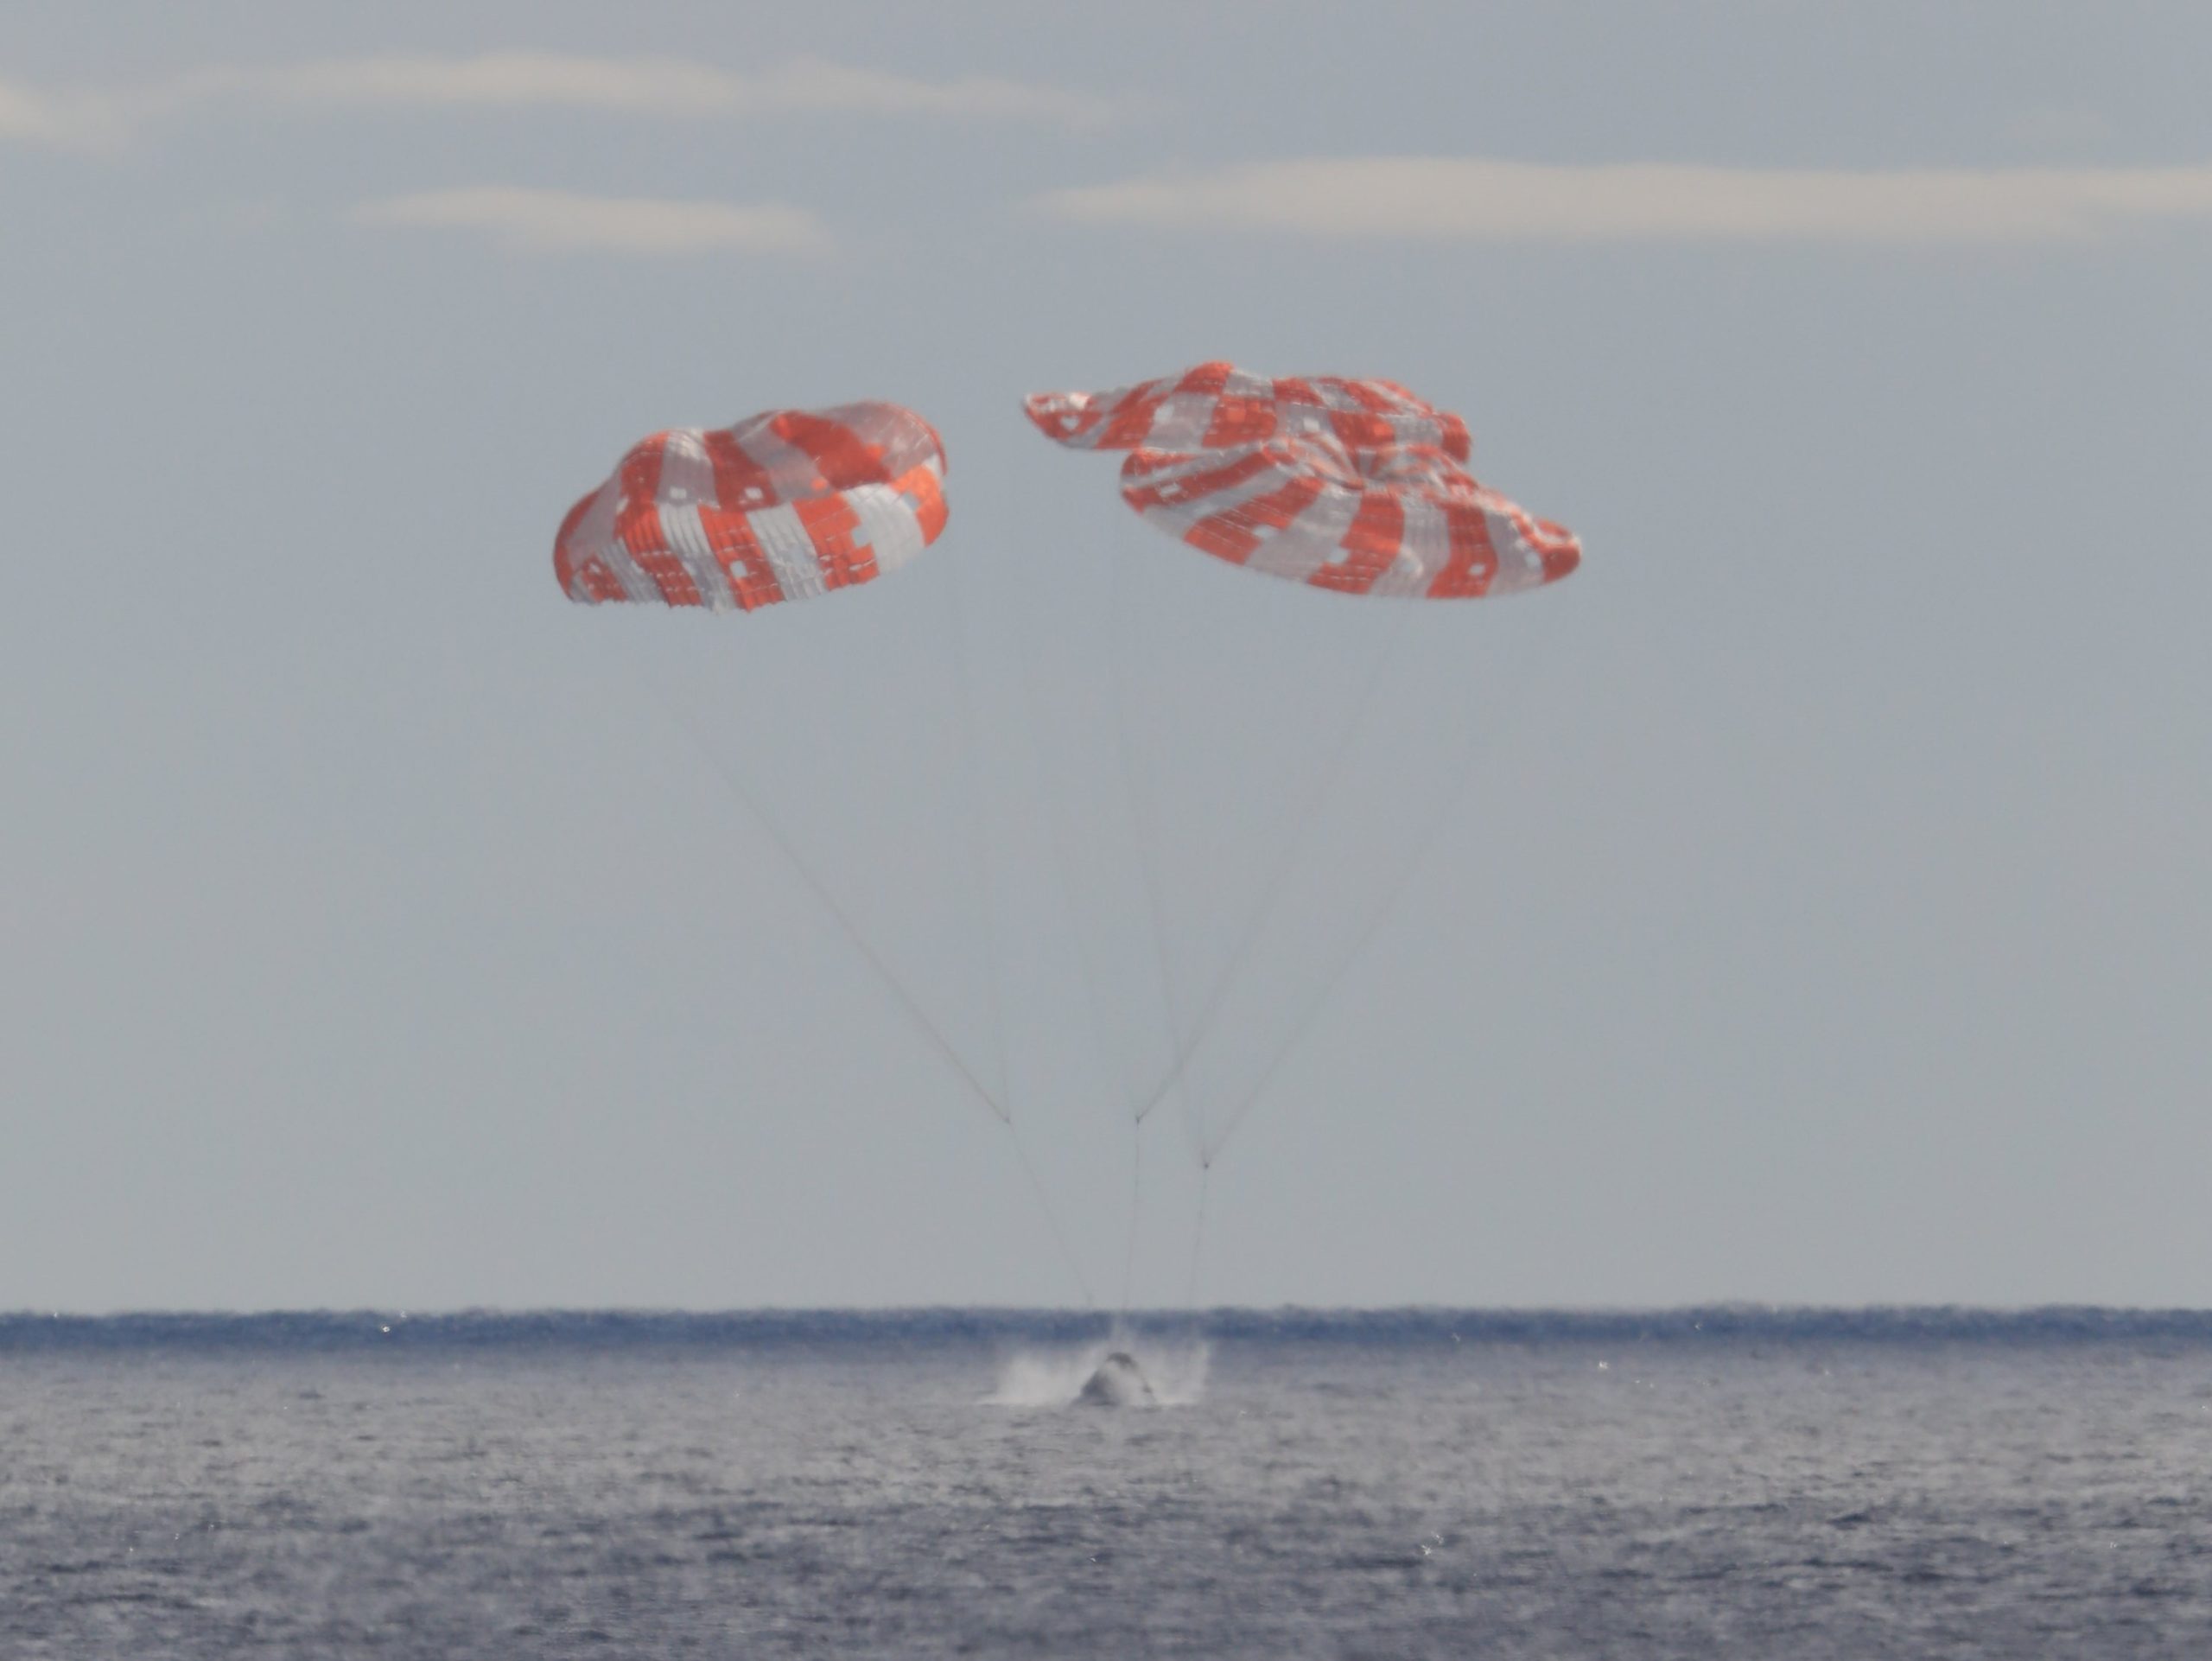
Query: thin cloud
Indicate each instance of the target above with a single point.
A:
(663, 87)
(557, 221)
(1471, 199)
(646, 88)
(59, 121)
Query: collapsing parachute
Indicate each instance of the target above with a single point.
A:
(1345, 484)
(786, 505)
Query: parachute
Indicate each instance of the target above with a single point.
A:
(1217, 405)
(786, 504)
(1353, 486)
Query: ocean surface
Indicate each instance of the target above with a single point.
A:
(1717, 1483)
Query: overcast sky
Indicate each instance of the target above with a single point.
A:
(1810, 900)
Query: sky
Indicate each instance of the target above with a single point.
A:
(1809, 902)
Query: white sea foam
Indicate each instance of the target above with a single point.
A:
(1174, 1367)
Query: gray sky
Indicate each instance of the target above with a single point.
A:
(1825, 916)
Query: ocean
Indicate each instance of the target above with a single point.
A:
(1718, 1484)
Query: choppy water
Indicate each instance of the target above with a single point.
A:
(1716, 1483)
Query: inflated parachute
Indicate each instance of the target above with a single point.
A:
(1217, 405)
(786, 504)
(1351, 485)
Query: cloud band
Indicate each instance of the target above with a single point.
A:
(1473, 199)
(560, 221)
(644, 88)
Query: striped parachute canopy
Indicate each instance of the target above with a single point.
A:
(1355, 486)
(786, 504)
(1218, 405)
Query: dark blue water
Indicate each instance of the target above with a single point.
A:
(1715, 1483)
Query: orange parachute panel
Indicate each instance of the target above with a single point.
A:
(1354, 486)
(786, 504)
(1219, 406)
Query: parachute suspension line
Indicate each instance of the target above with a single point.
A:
(1415, 857)
(1303, 819)
(784, 844)
(1063, 857)
(1056, 814)
(1139, 804)
(1138, 800)
(767, 821)
(979, 840)
(1198, 1237)
(1136, 1201)
(1052, 1215)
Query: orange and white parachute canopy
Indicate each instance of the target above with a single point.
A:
(1217, 405)
(786, 504)
(1349, 485)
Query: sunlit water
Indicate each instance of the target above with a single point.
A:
(1717, 1486)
